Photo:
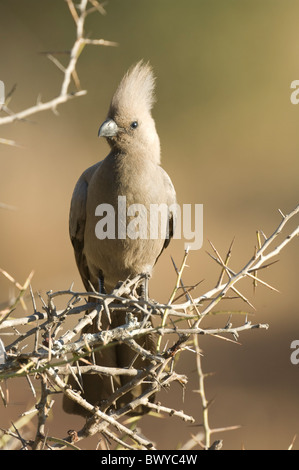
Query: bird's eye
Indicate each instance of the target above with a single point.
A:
(134, 124)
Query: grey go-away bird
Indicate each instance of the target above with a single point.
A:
(131, 170)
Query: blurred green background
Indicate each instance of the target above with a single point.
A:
(229, 137)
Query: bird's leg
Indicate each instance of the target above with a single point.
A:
(102, 289)
(143, 290)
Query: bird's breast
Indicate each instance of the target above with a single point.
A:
(123, 234)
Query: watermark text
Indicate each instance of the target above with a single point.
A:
(158, 221)
(295, 354)
(2, 92)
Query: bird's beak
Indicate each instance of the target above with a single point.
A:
(109, 128)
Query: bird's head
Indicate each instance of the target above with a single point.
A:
(129, 124)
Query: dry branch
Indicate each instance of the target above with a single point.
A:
(79, 13)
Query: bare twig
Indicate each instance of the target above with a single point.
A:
(69, 72)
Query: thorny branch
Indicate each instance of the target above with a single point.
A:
(58, 350)
(79, 13)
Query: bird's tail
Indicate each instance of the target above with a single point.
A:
(97, 388)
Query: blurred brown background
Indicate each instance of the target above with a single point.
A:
(229, 137)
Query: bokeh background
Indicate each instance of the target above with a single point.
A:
(229, 137)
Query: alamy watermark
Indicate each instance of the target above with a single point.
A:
(2, 92)
(295, 354)
(295, 94)
(157, 221)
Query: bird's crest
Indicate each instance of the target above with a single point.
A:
(136, 90)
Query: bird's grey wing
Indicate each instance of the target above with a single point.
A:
(77, 220)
